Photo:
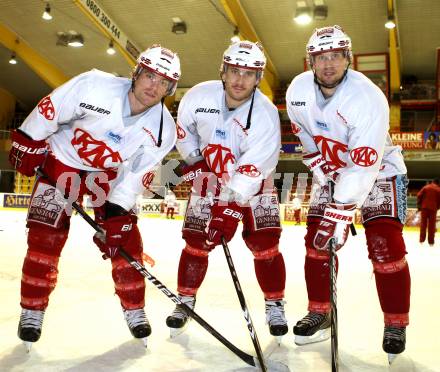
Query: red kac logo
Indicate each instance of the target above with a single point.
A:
(249, 170)
(295, 128)
(45, 108)
(181, 134)
(93, 152)
(364, 156)
(147, 179)
(217, 157)
(330, 150)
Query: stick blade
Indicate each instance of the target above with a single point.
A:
(272, 365)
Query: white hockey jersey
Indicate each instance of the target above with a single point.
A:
(350, 130)
(248, 156)
(88, 125)
(170, 200)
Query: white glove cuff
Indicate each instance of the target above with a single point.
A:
(315, 162)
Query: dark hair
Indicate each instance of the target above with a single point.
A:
(434, 137)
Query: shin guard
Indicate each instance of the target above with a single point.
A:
(129, 283)
(393, 282)
(40, 266)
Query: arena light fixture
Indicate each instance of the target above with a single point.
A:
(390, 23)
(71, 38)
(303, 15)
(76, 41)
(46, 15)
(111, 50)
(13, 59)
(235, 37)
(179, 26)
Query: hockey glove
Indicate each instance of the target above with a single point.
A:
(335, 224)
(26, 154)
(316, 164)
(200, 177)
(224, 221)
(117, 232)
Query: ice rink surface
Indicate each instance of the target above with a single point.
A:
(84, 329)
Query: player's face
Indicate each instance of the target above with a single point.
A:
(329, 67)
(150, 88)
(239, 84)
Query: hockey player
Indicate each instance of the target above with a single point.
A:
(229, 137)
(342, 120)
(97, 128)
(170, 201)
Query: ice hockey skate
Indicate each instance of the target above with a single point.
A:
(138, 324)
(276, 319)
(314, 327)
(394, 340)
(178, 320)
(29, 327)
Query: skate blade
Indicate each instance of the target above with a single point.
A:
(279, 339)
(28, 346)
(144, 341)
(174, 332)
(321, 335)
(391, 358)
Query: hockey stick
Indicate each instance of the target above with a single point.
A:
(333, 307)
(246, 313)
(249, 359)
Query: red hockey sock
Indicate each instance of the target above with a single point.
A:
(192, 271)
(317, 275)
(129, 285)
(394, 291)
(271, 276)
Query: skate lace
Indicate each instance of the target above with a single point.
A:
(31, 318)
(275, 313)
(394, 333)
(313, 319)
(179, 312)
(135, 318)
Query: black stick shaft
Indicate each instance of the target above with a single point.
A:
(333, 310)
(353, 230)
(242, 300)
(249, 359)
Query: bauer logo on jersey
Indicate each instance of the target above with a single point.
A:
(45, 108)
(93, 152)
(364, 156)
(249, 170)
(297, 103)
(208, 110)
(97, 109)
(220, 133)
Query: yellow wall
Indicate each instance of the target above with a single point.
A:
(7, 107)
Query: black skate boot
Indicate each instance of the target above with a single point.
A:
(314, 327)
(29, 327)
(394, 340)
(138, 324)
(178, 320)
(276, 319)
